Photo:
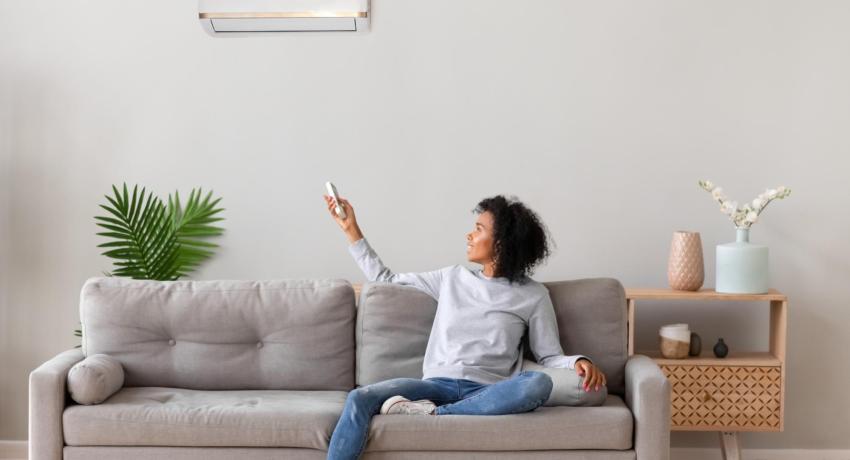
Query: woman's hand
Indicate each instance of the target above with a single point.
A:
(349, 224)
(593, 377)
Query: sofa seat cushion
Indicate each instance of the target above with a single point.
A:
(608, 426)
(154, 416)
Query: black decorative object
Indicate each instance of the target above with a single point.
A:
(696, 345)
(720, 348)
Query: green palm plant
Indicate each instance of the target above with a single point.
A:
(157, 241)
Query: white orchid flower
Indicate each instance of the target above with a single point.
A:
(752, 217)
(747, 215)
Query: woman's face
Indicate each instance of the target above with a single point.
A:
(479, 248)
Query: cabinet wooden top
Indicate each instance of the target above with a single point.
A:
(703, 294)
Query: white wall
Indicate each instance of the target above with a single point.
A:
(602, 116)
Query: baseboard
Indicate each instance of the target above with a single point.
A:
(13, 450)
(17, 450)
(690, 453)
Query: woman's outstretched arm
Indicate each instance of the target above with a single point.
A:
(369, 262)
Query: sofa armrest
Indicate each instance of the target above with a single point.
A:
(46, 404)
(648, 397)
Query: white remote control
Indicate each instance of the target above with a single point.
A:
(332, 192)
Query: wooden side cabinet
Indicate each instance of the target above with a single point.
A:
(744, 391)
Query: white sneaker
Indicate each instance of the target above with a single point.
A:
(399, 405)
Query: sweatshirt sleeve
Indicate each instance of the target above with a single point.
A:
(375, 270)
(543, 337)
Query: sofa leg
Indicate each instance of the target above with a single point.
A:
(730, 444)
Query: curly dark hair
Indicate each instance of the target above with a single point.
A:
(521, 240)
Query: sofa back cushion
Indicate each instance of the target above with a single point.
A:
(394, 323)
(592, 321)
(223, 335)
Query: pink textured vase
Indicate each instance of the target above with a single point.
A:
(685, 271)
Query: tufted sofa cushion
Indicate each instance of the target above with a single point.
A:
(223, 335)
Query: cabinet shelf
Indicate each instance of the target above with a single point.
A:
(703, 294)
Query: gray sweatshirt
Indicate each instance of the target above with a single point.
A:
(480, 321)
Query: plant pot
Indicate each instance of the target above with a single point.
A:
(742, 266)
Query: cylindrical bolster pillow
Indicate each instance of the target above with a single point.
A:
(94, 379)
(566, 387)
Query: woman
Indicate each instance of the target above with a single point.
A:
(473, 361)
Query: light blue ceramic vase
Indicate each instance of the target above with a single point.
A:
(742, 266)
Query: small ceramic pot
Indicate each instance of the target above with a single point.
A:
(674, 340)
(696, 345)
(721, 349)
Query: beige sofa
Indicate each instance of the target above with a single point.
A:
(261, 370)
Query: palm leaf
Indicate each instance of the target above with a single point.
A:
(193, 223)
(136, 245)
(154, 240)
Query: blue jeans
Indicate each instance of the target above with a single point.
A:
(524, 392)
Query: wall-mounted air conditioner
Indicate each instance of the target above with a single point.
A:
(223, 17)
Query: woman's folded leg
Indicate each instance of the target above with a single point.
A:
(350, 435)
(524, 392)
